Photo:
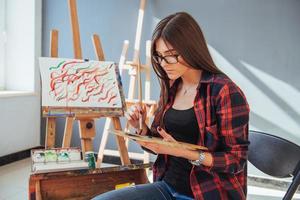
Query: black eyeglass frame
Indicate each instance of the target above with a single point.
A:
(164, 58)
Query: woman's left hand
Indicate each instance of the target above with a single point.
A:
(163, 149)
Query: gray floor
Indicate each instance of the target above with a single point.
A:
(14, 184)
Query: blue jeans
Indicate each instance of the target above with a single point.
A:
(159, 190)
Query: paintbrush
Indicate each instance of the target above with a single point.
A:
(140, 94)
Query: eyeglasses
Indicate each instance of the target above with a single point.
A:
(170, 59)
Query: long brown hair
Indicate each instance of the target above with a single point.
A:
(184, 34)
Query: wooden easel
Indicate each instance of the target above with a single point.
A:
(131, 66)
(86, 122)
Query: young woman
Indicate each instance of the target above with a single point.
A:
(199, 105)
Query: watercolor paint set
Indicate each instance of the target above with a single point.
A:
(56, 159)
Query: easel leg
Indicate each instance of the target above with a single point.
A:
(38, 195)
(103, 141)
(68, 132)
(87, 145)
(87, 133)
(132, 84)
(121, 143)
(51, 121)
(50, 135)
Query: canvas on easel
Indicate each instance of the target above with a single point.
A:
(77, 87)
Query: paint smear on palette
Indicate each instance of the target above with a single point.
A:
(76, 83)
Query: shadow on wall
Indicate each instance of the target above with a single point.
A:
(273, 102)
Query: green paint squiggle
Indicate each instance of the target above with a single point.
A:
(84, 68)
(57, 65)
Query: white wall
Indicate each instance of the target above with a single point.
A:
(20, 111)
(2, 42)
(20, 38)
(20, 123)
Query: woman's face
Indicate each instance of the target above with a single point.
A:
(175, 70)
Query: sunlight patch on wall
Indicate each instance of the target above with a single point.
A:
(260, 103)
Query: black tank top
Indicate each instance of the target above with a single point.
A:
(183, 126)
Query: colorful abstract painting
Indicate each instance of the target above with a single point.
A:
(79, 83)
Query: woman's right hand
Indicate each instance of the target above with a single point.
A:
(134, 113)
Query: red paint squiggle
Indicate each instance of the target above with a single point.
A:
(72, 82)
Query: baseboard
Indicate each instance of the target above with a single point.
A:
(4, 160)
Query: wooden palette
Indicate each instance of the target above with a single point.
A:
(157, 140)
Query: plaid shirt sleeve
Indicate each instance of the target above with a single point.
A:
(232, 113)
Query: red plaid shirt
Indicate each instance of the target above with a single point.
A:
(222, 113)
